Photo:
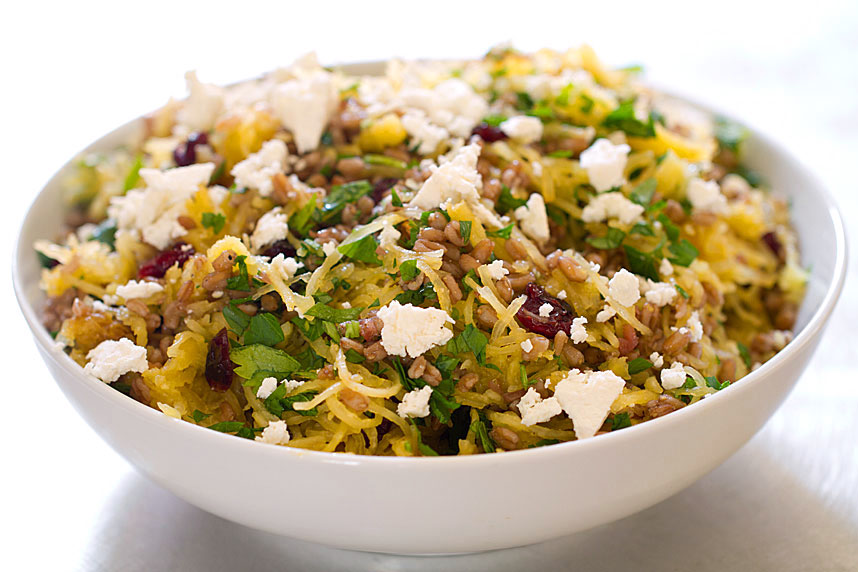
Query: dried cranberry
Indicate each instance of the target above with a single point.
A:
(218, 365)
(186, 153)
(489, 133)
(380, 188)
(774, 243)
(560, 318)
(179, 253)
(283, 247)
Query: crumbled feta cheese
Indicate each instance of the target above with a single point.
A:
(611, 205)
(527, 346)
(605, 163)
(660, 293)
(452, 105)
(455, 180)
(577, 332)
(218, 194)
(152, 212)
(266, 388)
(674, 376)
(705, 195)
(695, 327)
(113, 358)
(292, 384)
(205, 102)
(586, 397)
(271, 227)
(562, 295)
(605, 314)
(624, 288)
(415, 403)
(410, 331)
(594, 267)
(426, 135)
(304, 106)
(388, 235)
(256, 171)
(329, 248)
(533, 218)
(534, 409)
(657, 360)
(523, 128)
(496, 269)
(284, 267)
(780, 338)
(275, 434)
(134, 289)
(545, 310)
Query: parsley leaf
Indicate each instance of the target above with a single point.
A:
(561, 154)
(302, 219)
(341, 195)
(642, 228)
(465, 230)
(643, 193)
(745, 354)
(611, 240)
(504, 232)
(620, 421)
(471, 339)
(494, 120)
(335, 315)
(729, 134)
(682, 291)
(638, 365)
(263, 329)
(105, 233)
(256, 362)
(242, 282)
(670, 229)
(416, 297)
(133, 175)
(214, 221)
(394, 198)
(198, 415)
(623, 118)
(480, 427)
(362, 250)
(235, 318)
(278, 402)
(641, 263)
(506, 202)
(384, 160)
(683, 252)
(408, 270)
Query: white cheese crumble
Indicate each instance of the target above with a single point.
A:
(605, 314)
(534, 409)
(527, 346)
(496, 269)
(113, 358)
(422, 131)
(611, 205)
(665, 268)
(455, 180)
(545, 310)
(410, 331)
(624, 288)
(283, 266)
(586, 397)
(577, 332)
(523, 128)
(271, 227)
(256, 171)
(388, 235)
(266, 388)
(152, 213)
(134, 289)
(660, 293)
(533, 218)
(605, 163)
(657, 360)
(205, 101)
(674, 376)
(329, 248)
(452, 106)
(304, 106)
(562, 295)
(705, 195)
(415, 403)
(275, 434)
(695, 328)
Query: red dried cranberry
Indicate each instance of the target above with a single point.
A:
(186, 153)
(489, 133)
(218, 365)
(774, 243)
(283, 247)
(380, 188)
(560, 318)
(179, 253)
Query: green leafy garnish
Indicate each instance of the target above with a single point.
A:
(504, 232)
(713, 382)
(506, 202)
(641, 263)
(301, 221)
(561, 154)
(242, 282)
(465, 230)
(362, 250)
(643, 193)
(544, 442)
(612, 239)
(257, 361)
(394, 198)
(682, 291)
(105, 233)
(352, 329)
(729, 134)
(642, 228)
(341, 195)
(198, 415)
(494, 120)
(416, 297)
(471, 339)
(745, 354)
(624, 119)
(408, 270)
(335, 315)
(236, 319)
(683, 252)
(670, 229)
(480, 427)
(263, 329)
(133, 175)
(638, 365)
(214, 221)
(620, 421)
(278, 402)
(384, 160)
(236, 427)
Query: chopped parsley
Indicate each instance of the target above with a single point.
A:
(683, 252)
(471, 339)
(612, 239)
(214, 221)
(638, 365)
(340, 196)
(465, 230)
(258, 361)
(408, 270)
(335, 315)
(362, 250)
(643, 193)
(641, 263)
(504, 232)
(620, 421)
(624, 119)
(745, 354)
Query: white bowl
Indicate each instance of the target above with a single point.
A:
(450, 504)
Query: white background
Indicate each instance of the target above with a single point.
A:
(74, 70)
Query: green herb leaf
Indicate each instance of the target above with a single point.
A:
(506, 202)
(354, 357)
(133, 175)
(362, 250)
(310, 330)
(394, 197)
(278, 402)
(335, 315)
(384, 160)
(263, 329)
(641, 263)
(480, 427)
(198, 415)
(643, 193)
(341, 195)
(256, 362)
(638, 365)
(471, 339)
(214, 221)
(465, 230)
(242, 282)
(544, 442)
(561, 154)
(620, 421)
(624, 119)
(408, 270)
(301, 221)
(105, 233)
(504, 232)
(494, 120)
(236, 319)
(352, 329)
(745, 354)
(729, 134)
(612, 239)
(416, 297)
(642, 228)
(670, 229)
(683, 252)
(331, 329)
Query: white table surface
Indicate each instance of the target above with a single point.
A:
(787, 501)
